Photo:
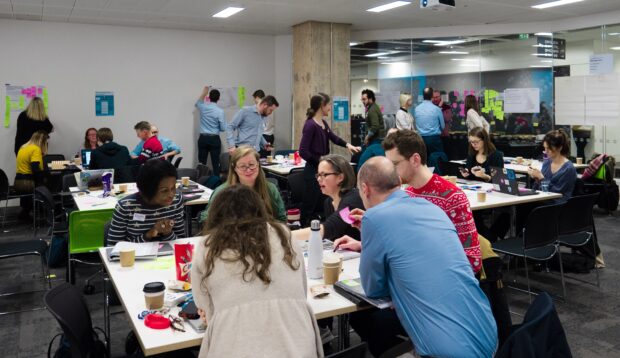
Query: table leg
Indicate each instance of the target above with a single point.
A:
(513, 221)
(106, 314)
(343, 332)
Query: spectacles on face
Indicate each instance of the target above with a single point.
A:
(475, 141)
(245, 168)
(322, 176)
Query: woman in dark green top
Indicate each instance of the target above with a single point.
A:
(482, 156)
(245, 169)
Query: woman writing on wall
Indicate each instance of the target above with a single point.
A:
(33, 119)
(315, 138)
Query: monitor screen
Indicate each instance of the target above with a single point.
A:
(86, 158)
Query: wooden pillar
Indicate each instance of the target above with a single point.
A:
(321, 63)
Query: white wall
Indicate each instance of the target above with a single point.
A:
(284, 91)
(156, 75)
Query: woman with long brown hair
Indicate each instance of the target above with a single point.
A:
(482, 156)
(250, 283)
(90, 139)
(33, 119)
(245, 169)
(474, 118)
(28, 164)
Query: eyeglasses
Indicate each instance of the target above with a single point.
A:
(245, 168)
(323, 175)
(474, 142)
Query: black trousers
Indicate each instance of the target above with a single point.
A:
(210, 144)
(312, 198)
(379, 328)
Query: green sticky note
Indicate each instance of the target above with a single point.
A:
(351, 283)
(22, 102)
(45, 98)
(161, 263)
(7, 113)
(241, 96)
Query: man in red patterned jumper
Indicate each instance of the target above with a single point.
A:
(406, 149)
(152, 147)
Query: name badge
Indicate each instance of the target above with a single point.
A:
(139, 217)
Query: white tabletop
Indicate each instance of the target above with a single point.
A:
(128, 283)
(93, 200)
(522, 168)
(496, 199)
(283, 168)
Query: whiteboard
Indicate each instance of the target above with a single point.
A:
(570, 106)
(588, 100)
(521, 100)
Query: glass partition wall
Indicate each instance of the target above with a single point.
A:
(512, 77)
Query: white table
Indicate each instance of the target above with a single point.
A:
(282, 169)
(520, 168)
(128, 283)
(496, 199)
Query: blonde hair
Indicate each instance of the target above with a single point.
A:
(39, 138)
(260, 186)
(36, 109)
(404, 97)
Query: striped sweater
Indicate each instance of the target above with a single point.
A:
(133, 218)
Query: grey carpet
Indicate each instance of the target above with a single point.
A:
(591, 316)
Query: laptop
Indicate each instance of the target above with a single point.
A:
(507, 182)
(85, 158)
(92, 179)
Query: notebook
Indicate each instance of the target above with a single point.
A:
(144, 250)
(352, 290)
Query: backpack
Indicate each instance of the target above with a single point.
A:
(57, 252)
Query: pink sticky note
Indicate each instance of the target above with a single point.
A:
(344, 215)
(40, 90)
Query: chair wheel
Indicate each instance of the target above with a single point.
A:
(89, 289)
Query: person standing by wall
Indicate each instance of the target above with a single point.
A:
(374, 118)
(248, 124)
(212, 122)
(404, 119)
(429, 122)
(474, 118)
(33, 119)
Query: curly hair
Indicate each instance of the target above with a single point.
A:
(237, 229)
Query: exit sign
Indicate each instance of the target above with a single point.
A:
(524, 36)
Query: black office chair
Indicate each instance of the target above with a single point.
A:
(69, 308)
(356, 351)
(25, 248)
(8, 192)
(224, 164)
(540, 335)
(576, 227)
(68, 182)
(187, 172)
(177, 161)
(203, 170)
(538, 242)
(55, 215)
(296, 187)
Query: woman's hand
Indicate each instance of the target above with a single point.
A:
(353, 149)
(203, 317)
(161, 227)
(464, 172)
(535, 173)
(348, 243)
(478, 172)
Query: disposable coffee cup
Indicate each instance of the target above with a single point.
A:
(128, 257)
(482, 196)
(269, 159)
(452, 179)
(519, 160)
(332, 265)
(77, 161)
(122, 187)
(580, 160)
(291, 156)
(154, 295)
(185, 181)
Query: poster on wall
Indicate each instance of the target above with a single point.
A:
(601, 64)
(104, 104)
(341, 109)
(18, 97)
(230, 97)
(522, 100)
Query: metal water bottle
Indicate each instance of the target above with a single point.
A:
(315, 251)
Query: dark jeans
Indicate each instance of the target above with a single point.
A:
(210, 144)
(312, 198)
(378, 328)
(433, 144)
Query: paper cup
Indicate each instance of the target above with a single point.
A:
(122, 187)
(185, 181)
(291, 156)
(269, 159)
(128, 257)
(519, 160)
(154, 295)
(332, 265)
(482, 196)
(580, 160)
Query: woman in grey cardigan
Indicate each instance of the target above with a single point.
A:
(249, 279)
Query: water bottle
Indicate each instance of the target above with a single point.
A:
(315, 251)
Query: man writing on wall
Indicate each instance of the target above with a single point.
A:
(212, 122)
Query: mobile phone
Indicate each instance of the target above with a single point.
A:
(476, 169)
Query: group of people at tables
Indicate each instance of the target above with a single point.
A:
(31, 145)
(420, 246)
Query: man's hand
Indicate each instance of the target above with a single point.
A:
(268, 147)
(357, 215)
(231, 150)
(348, 243)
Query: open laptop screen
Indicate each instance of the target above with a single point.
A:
(86, 158)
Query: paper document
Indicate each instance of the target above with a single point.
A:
(143, 249)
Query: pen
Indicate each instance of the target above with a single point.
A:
(336, 248)
(98, 204)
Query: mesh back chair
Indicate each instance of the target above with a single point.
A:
(48, 158)
(187, 172)
(55, 215)
(203, 170)
(538, 242)
(540, 335)
(576, 226)
(177, 161)
(69, 308)
(7, 192)
(26, 248)
(68, 181)
(296, 187)
(224, 164)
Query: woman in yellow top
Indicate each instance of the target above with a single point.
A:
(28, 164)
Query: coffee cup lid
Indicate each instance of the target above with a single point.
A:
(154, 287)
(331, 259)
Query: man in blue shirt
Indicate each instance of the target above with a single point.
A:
(411, 253)
(212, 122)
(170, 148)
(429, 122)
(248, 123)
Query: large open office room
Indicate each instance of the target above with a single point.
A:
(148, 142)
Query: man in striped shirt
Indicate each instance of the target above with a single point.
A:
(155, 212)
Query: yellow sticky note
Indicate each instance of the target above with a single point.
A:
(45, 98)
(241, 96)
(22, 102)
(161, 263)
(7, 112)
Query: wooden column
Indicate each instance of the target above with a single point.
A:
(321, 63)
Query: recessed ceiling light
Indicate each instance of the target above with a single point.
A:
(540, 66)
(543, 46)
(617, 48)
(444, 42)
(464, 59)
(377, 54)
(544, 34)
(613, 33)
(229, 11)
(365, 80)
(555, 3)
(389, 6)
(542, 54)
(353, 43)
(383, 57)
(454, 52)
